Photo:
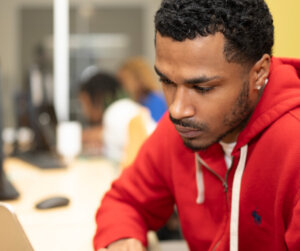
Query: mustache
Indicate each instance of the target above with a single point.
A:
(188, 123)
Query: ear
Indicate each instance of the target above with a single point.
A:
(259, 72)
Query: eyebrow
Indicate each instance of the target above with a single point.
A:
(192, 81)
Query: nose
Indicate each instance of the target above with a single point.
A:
(181, 105)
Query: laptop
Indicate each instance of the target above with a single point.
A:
(12, 235)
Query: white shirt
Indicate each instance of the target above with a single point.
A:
(228, 148)
(116, 120)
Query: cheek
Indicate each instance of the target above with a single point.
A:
(213, 108)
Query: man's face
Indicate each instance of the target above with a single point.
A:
(209, 99)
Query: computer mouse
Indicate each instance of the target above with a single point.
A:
(52, 202)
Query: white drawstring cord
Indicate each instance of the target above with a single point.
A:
(235, 201)
(199, 181)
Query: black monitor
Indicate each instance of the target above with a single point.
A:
(7, 190)
(35, 109)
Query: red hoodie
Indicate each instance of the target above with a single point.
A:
(252, 206)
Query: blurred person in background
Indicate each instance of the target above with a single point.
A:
(96, 94)
(109, 114)
(139, 80)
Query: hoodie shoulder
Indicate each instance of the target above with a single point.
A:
(291, 61)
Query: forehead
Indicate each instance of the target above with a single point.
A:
(202, 55)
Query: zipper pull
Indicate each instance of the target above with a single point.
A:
(225, 185)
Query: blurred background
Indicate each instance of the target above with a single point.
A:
(101, 32)
(286, 21)
(91, 35)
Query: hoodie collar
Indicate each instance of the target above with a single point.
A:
(280, 95)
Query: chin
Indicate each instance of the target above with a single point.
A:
(197, 146)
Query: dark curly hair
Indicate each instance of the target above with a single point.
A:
(247, 25)
(102, 88)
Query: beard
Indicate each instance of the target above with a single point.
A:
(237, 118)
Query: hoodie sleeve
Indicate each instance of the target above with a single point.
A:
(140, 199)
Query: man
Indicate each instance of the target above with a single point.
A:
(228, 151)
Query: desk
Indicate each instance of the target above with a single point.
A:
(67, 228)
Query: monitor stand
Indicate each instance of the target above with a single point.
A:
(7, 190)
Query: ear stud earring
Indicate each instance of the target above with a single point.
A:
(258, 87)
(266, 81)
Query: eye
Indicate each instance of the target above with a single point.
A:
(165, 81)
(203, 90)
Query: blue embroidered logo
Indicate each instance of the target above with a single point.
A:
(257, 217)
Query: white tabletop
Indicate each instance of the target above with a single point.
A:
(84, 182)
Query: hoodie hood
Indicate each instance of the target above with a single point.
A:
(281, 94)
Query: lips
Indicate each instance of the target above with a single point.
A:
(188, 132)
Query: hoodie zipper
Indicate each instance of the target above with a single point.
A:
(236, 189)
(217, 245)
(225, 185)
(224, 181)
